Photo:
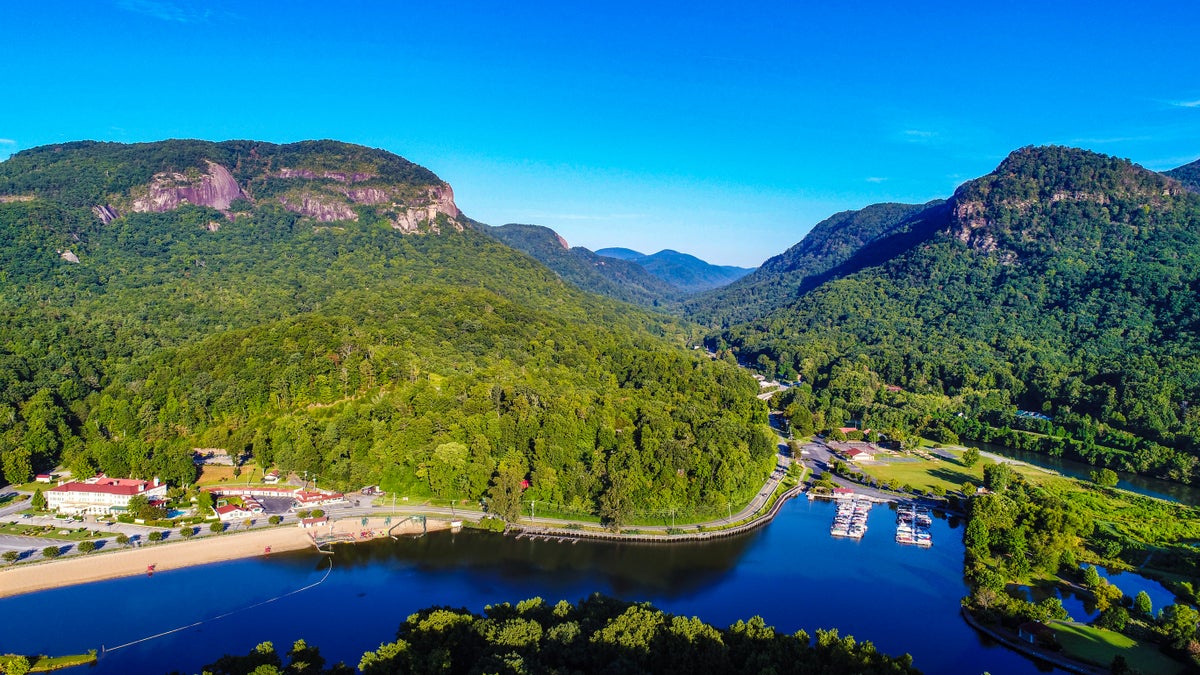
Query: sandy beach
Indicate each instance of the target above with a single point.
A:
(176, 555)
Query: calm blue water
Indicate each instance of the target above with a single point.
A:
(1081, 607)
(792, 573)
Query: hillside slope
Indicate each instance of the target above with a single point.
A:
(615, 278)
(325, 308)
(1065, 282)
(836, 246)
(1188, 174)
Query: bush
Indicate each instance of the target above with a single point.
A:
(51, 552)
(275, 520)
(217, 527)
(155, 536)
(318, 513)
(86, 547)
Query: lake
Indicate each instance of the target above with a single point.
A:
(791, 572)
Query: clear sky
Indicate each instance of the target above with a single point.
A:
(721, 129)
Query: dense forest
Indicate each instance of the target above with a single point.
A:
(1065, 284)
(596, 635)
(440, 362)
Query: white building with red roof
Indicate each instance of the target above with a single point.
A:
(102, 495)
(233, 512)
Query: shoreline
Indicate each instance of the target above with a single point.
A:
(106, 565)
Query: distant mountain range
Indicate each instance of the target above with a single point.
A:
(659, 280)
(614, 277)
(685, 272)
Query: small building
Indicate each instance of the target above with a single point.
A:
(272, 477)
(1036, 633)
(859, 455)
(310, 498)
(45, 477)
(307, 523)
(233, 512)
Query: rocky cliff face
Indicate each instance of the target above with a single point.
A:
(323, 195)
(318, 207)
(215, 188)
(407, 213)
(439, 200)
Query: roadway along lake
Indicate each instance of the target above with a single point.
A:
(792, 573)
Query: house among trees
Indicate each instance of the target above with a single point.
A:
(272, 477)
(101, 495)
(46, 477)
(1036, 633)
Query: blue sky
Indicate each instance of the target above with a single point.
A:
(719, 130)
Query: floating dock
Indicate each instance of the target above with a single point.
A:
(912, 525)
(851, 519)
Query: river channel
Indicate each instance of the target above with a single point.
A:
(791, 572)
(1143, 485)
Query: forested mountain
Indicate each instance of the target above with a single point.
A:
(836, 246)
(589, 271)
(685, 272)
(1065, 282)
(327, 308)
(1188, 174)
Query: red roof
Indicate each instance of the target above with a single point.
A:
(304, 496)
(315, 521)
(228, 508)
(114, 486)
(843, 491)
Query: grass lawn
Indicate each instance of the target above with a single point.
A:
(215, 475)
(53, 532)
(1099, 646)
(924, 474)
(949, 474)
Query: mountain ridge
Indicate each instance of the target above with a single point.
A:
(683, 271)
(1064, 281)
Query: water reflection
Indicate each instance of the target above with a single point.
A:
(628, 569)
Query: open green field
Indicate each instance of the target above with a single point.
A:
(1099, 646)
(217, 475)
(949, 474)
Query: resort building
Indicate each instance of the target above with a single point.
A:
(102, 495)
(300, 497)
